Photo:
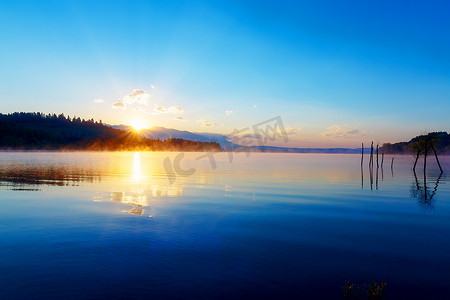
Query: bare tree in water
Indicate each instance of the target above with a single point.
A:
(422, 146)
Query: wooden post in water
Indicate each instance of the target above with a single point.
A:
(362, 177)
(371, 176)
(362, 153)
(392, 167)
(425, 156)
(382, 159)
(376, 180)
(371, 155)
(377, 156)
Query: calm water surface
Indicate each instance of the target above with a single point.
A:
(91, 225)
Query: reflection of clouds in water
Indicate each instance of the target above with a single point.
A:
(228, 189)
(136, 210)
(140, 197)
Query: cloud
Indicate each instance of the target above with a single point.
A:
(158, 109)
(99, 101)
(176, 110)
(119, 105)
(179, 118)
(336, 131)
(229, 112)
(292, 131)
(354, 131)
(141, 109)
(138, 97)
(153, 87)
(206, 123)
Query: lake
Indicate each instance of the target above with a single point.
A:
(160, 225)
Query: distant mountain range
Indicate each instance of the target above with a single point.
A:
(163, 133)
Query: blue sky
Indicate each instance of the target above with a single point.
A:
(338, 72)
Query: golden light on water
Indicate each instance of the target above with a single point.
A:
(137, 175)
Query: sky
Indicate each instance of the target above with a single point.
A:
(338, 73)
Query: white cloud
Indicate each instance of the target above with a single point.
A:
(176, 109)
(119, 105)
(336, 131)
(99, 101)
(292, 131)
(229, 112)
(158, 109)
(141, 109)
(178, 118)
(138, 97)
(206, 123)
(153, 87)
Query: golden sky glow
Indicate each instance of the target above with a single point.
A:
(138, 124)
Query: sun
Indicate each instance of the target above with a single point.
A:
(138, 125)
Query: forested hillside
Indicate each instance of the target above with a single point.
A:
(440, 140)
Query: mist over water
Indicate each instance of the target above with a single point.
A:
(105, 224)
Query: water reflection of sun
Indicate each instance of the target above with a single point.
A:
(137, 175)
